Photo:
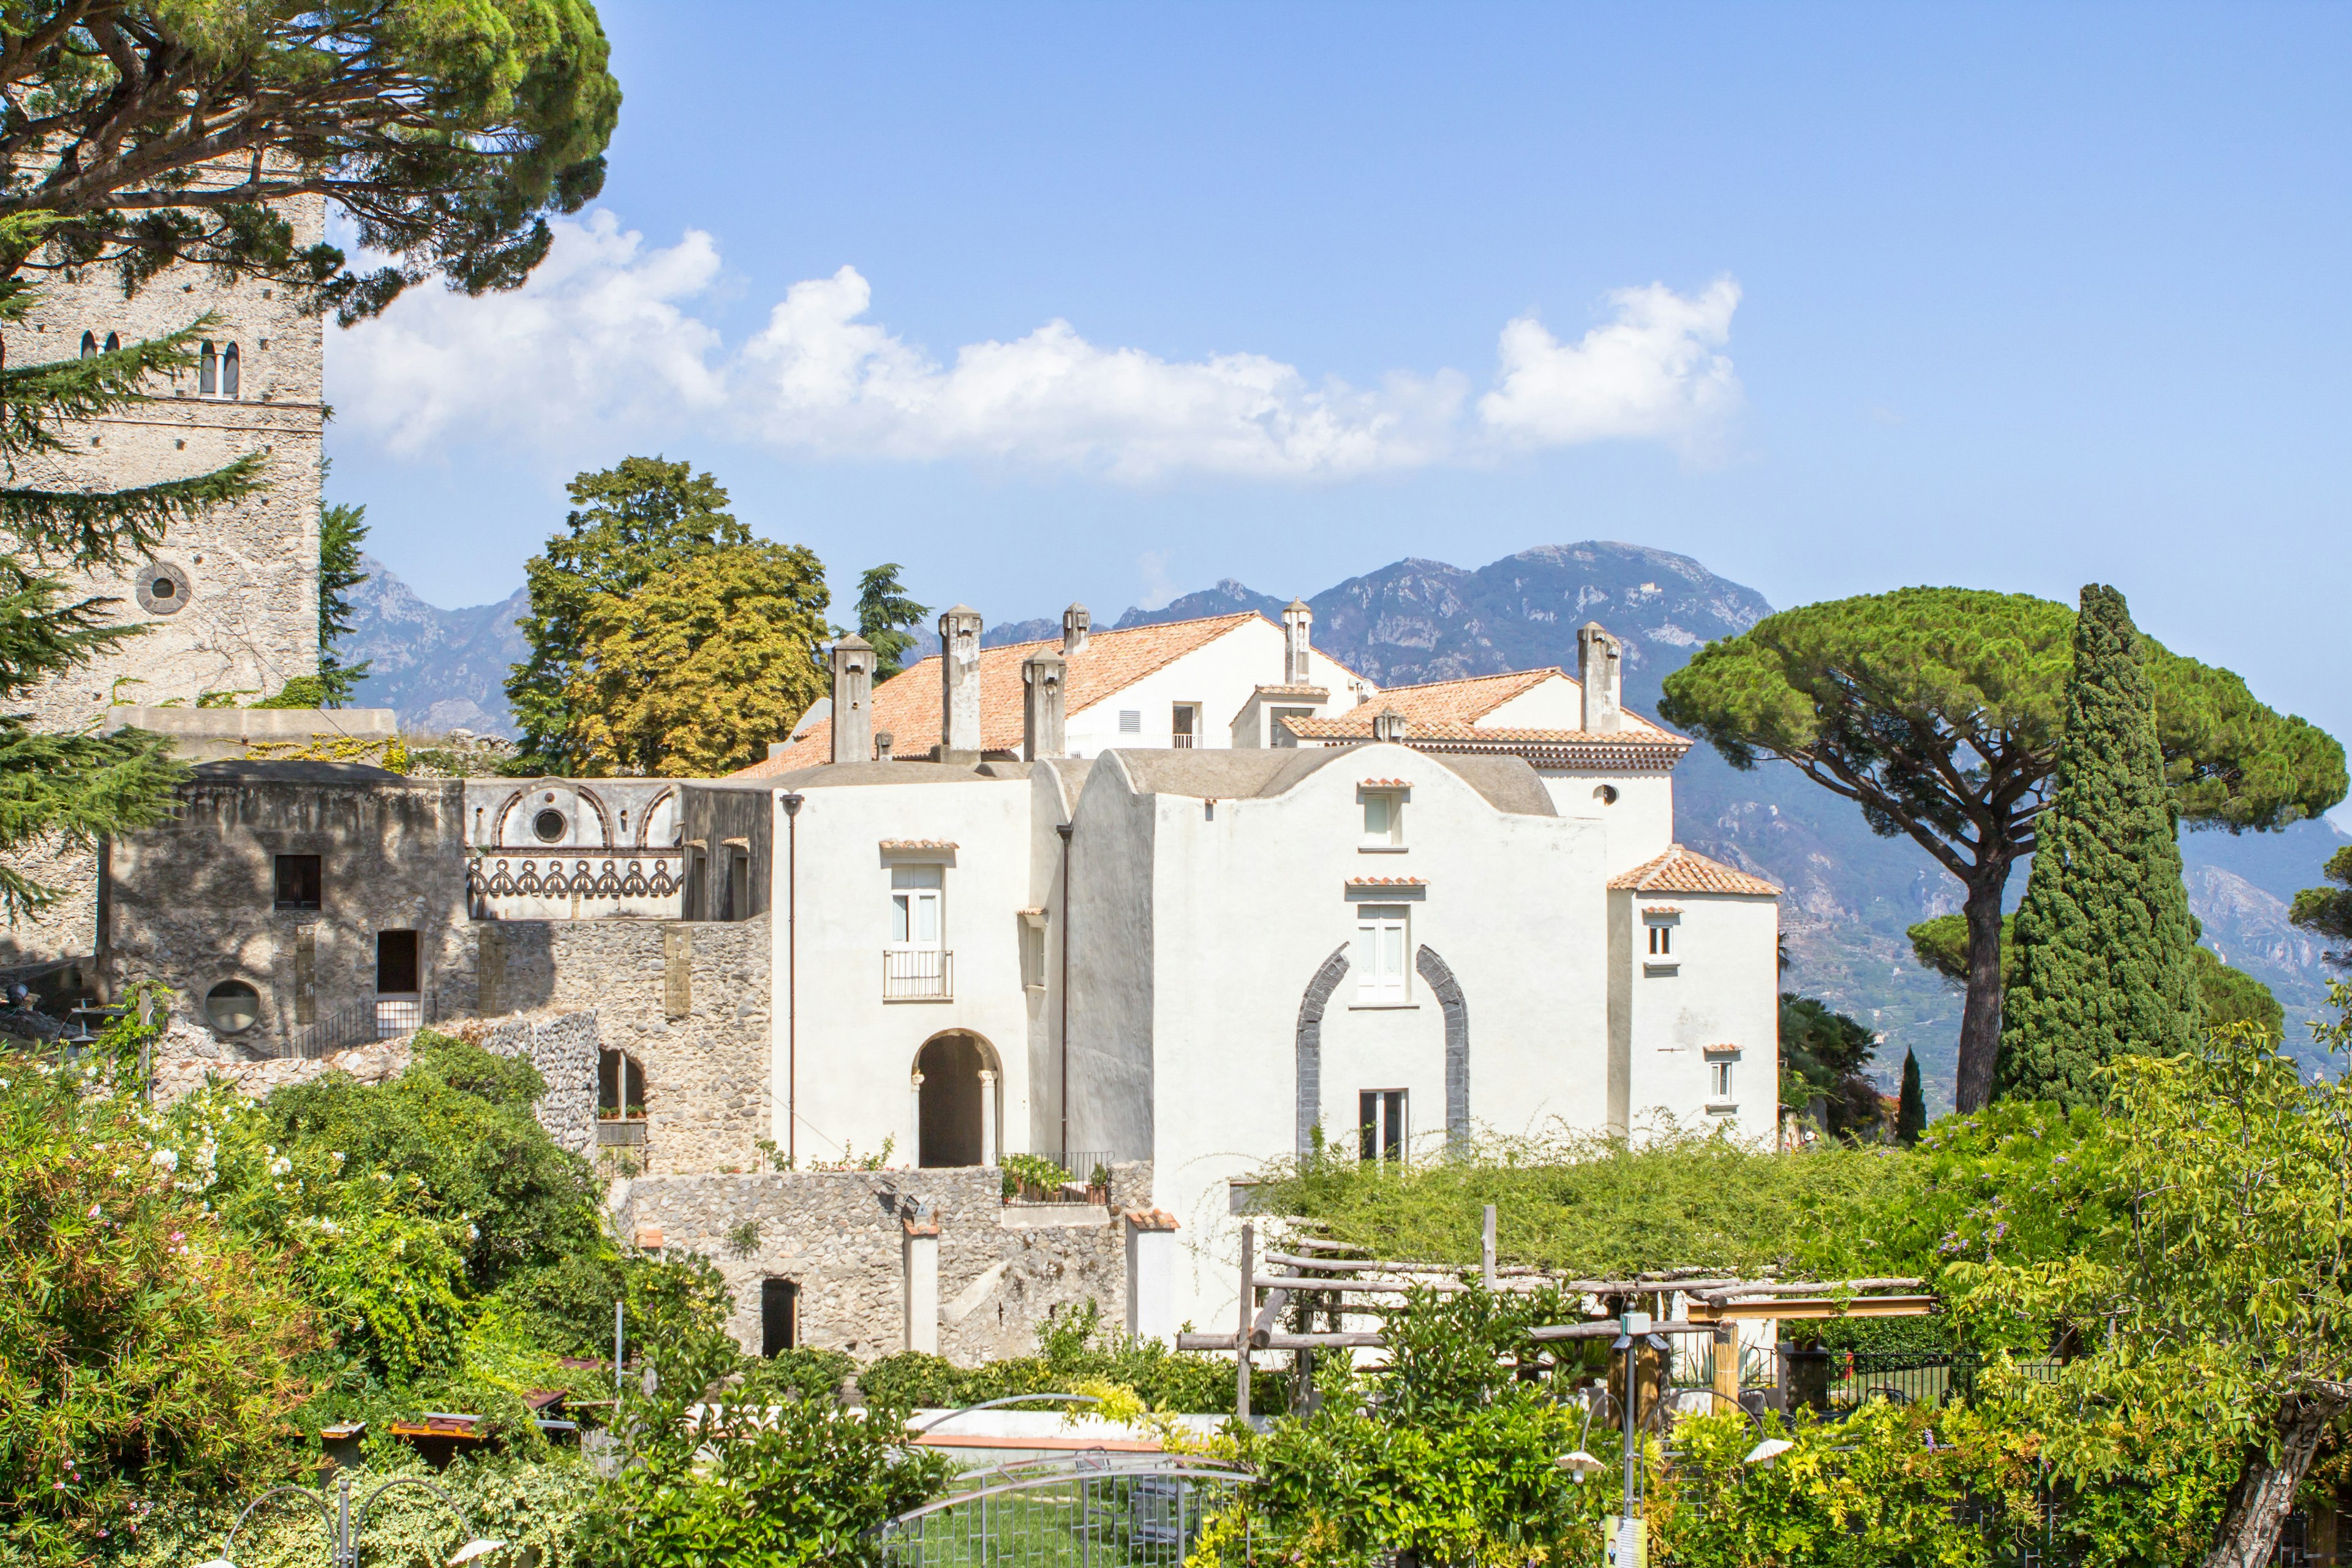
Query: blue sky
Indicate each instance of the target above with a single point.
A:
(1834, 299)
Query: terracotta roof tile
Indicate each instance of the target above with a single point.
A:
(908, 704)
(1681, 871)
(889, 843)
(1388, 882)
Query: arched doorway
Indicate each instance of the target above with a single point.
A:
(955, 1104)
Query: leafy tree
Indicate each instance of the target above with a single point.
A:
(694, 672)
(884, 613)
(1821, 1057)
(631, 523)
(145, 1348)
(2104, 935)
(2211, 1300)
(2229, 995)
(2328, 911)
(144, 134)
(341, 531)
(1938, 713)
(1911, 1112)
(73, 789)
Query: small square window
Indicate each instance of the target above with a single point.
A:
(1383, 819)
(297, 881)
(1130, 720)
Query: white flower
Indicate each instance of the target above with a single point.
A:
(280, 1166)
(167, 1159)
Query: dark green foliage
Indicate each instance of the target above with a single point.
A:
(1938, 711)
(2104, 936)
(884, 613)
(1911, 1108)
(2328, 911)
(1821, 1055)
(76, 788)
(459, 1120)
(341, 531)
(447, 128)
(1073, 1348)
(630, 523)
(2229, 995)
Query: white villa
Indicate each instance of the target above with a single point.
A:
(1196, 894)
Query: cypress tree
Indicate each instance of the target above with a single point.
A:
(1911, 1113)
(2103, 963)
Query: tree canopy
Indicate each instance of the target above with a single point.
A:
(2328, 911)
(2230, 995)
(2104, 936)
(145, 134)
(1938, 711)
(341, 531)
(885, 611)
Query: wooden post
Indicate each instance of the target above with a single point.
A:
(1242, 1340)
(1727, 1363)
(1486, 1248)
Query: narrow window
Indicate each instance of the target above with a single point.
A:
(207, 370)
(297, 881)
(1379, 1125)
(915, 895)
(697, 884)
(228, 372)
(1183, 722)
(1718, 1080)
(90, 345)
(1661, 941)
(1130, 720)
(620, 1087)
(1033, 951)
(396, 964)
(113, 342)
(1382, 943)
(780, 1315)
(739, 887)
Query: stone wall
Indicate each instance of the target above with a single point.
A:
(688, 1000)
(1002, 1271)
(563, 1048)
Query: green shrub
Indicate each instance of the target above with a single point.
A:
(1073, 1348)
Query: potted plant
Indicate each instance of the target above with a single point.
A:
(1099, 1184)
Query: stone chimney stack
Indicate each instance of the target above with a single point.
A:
(960, 686)
(853, 699)
(1600, 667)
(1298, 624)
(1075, 624)
(1041, 705)
(882, 746)
(1389, 726)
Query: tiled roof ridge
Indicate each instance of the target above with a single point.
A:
(1684, 871)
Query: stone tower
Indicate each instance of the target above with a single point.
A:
(852, 699)
(229, 601)
(960, 686)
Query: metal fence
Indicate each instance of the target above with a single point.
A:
(1082, 1165)
(373, 1018)
(917, 974)
(1093, 1510)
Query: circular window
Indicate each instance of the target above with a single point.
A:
(550, 825)
(232, 1006)
(162, 588)
(1606, 794)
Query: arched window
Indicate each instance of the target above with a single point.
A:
(88, 344)
(228, 372)
(113, 342)
(207, 370)
(620, 1087)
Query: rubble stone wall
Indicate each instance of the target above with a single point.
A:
(1004, 1270)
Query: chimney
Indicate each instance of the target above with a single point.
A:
(1600, 665)
(1389, 726)
(1075, 623)
(960, 686)
(1041, 705)
(853, 699)
(1297, 621)
(882, 746)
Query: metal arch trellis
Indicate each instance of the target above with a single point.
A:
(1092, 1510)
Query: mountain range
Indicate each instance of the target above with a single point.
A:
(1850, 893)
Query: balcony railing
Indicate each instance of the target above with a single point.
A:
(917, 974)
(509, 872)
(1183, 740)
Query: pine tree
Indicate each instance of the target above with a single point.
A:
(72, 789)
(2104, 964)
(1911, 1112)
(884, 612)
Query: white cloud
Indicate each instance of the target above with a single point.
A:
(1651, 371)
(604, 335)
(597, 335)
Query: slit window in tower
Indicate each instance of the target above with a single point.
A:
(228, 372)
(207, 370)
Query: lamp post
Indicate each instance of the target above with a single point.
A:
(346, 1522)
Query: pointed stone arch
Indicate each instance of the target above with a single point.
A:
(1311, 1042)
(1439, 977)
